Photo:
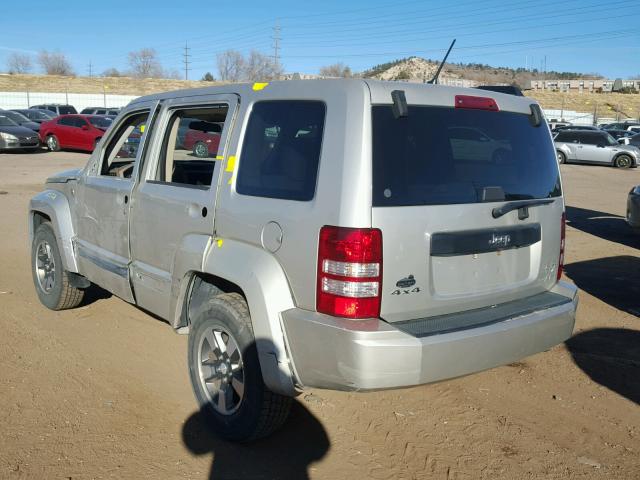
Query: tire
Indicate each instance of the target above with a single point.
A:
(49, 277)
(201, 150)
(562, 158)
(623, 161)
(53, 143)
(250, 410)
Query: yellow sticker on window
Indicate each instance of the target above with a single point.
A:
(141, 128)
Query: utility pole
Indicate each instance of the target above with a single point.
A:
(90, 67)
(276, 45)
(186, 55)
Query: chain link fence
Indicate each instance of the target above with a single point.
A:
(79, 100)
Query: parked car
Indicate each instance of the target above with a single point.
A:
(634, 128)
(622, 125)
(594, 147)
(508, 89)
(634, 141)
(21, 120)
(553, 124)
(622, 136)
(36, 115)
(575, 127)
(56, 108)
(100, 111)
(15, 137)
(78, 132)
(633, 207)
(336, 240)
(202, 138)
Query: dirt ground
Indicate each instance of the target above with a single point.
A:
(102, 391)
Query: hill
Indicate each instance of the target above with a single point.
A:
(112, 85)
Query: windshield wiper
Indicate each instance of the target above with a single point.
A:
(522, 206)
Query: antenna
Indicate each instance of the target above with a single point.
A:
(434, 80)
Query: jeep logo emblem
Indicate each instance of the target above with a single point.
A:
(499, 241)
(406, 282)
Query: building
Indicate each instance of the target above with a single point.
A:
(581, 85)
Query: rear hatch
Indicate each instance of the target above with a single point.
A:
(440, 174)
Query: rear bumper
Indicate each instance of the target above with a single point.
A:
(328, 352)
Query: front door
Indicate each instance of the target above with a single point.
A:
(103, 202)
(172, 216)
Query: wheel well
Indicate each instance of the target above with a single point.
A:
(202, 287)
(633, 160)
(38, 219)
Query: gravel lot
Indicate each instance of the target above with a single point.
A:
(102, 391)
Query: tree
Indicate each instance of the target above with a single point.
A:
(55, 63)
(144, 64)
(111, 72)
(207, 77)
(336, 70)
(259, 67)
(230, 65)
(19, 63)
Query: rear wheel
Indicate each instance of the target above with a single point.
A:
(225, 372)
(562, 158)
(51, 280)
(623, 161)
(52, 143)
(200, 150)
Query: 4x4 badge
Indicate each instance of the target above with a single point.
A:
(406, 282)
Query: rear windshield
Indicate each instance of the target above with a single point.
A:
(439, 155)
(64, 110)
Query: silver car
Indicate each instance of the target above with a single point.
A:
(578, 146)
(338, 234)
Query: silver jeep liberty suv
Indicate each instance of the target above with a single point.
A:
(341, 234)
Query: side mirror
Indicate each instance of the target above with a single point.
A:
(85, 127)
(600, 145)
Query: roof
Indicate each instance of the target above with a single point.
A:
(378, 90)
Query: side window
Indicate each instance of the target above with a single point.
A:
(281, 150)
(120, 153)
(190, 145)
(79, 122)
(66, 121)
(590, 139)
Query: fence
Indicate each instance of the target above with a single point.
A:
(79, 100)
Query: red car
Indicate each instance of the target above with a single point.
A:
(203, 138)
(77, 132)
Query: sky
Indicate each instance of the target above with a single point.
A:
(589, 36)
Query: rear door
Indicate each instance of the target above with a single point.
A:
(173, 206)
(433, 198)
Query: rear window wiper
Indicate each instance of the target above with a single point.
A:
(522, 206)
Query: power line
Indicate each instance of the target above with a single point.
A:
(186, 61)
(276, 45)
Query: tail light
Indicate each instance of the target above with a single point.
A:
(563, 221)
(349, 272)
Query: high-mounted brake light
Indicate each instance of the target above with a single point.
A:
(476, 103)
(563, 222)
(349, 272)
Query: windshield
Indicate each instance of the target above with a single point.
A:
(15, 116)
(7, 122)
(611, 140)
(439, 155)
(100, 122)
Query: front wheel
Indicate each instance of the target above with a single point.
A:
(53, 144)
(623, 161)
(51, 280)
(225, 372)
(562, 158)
